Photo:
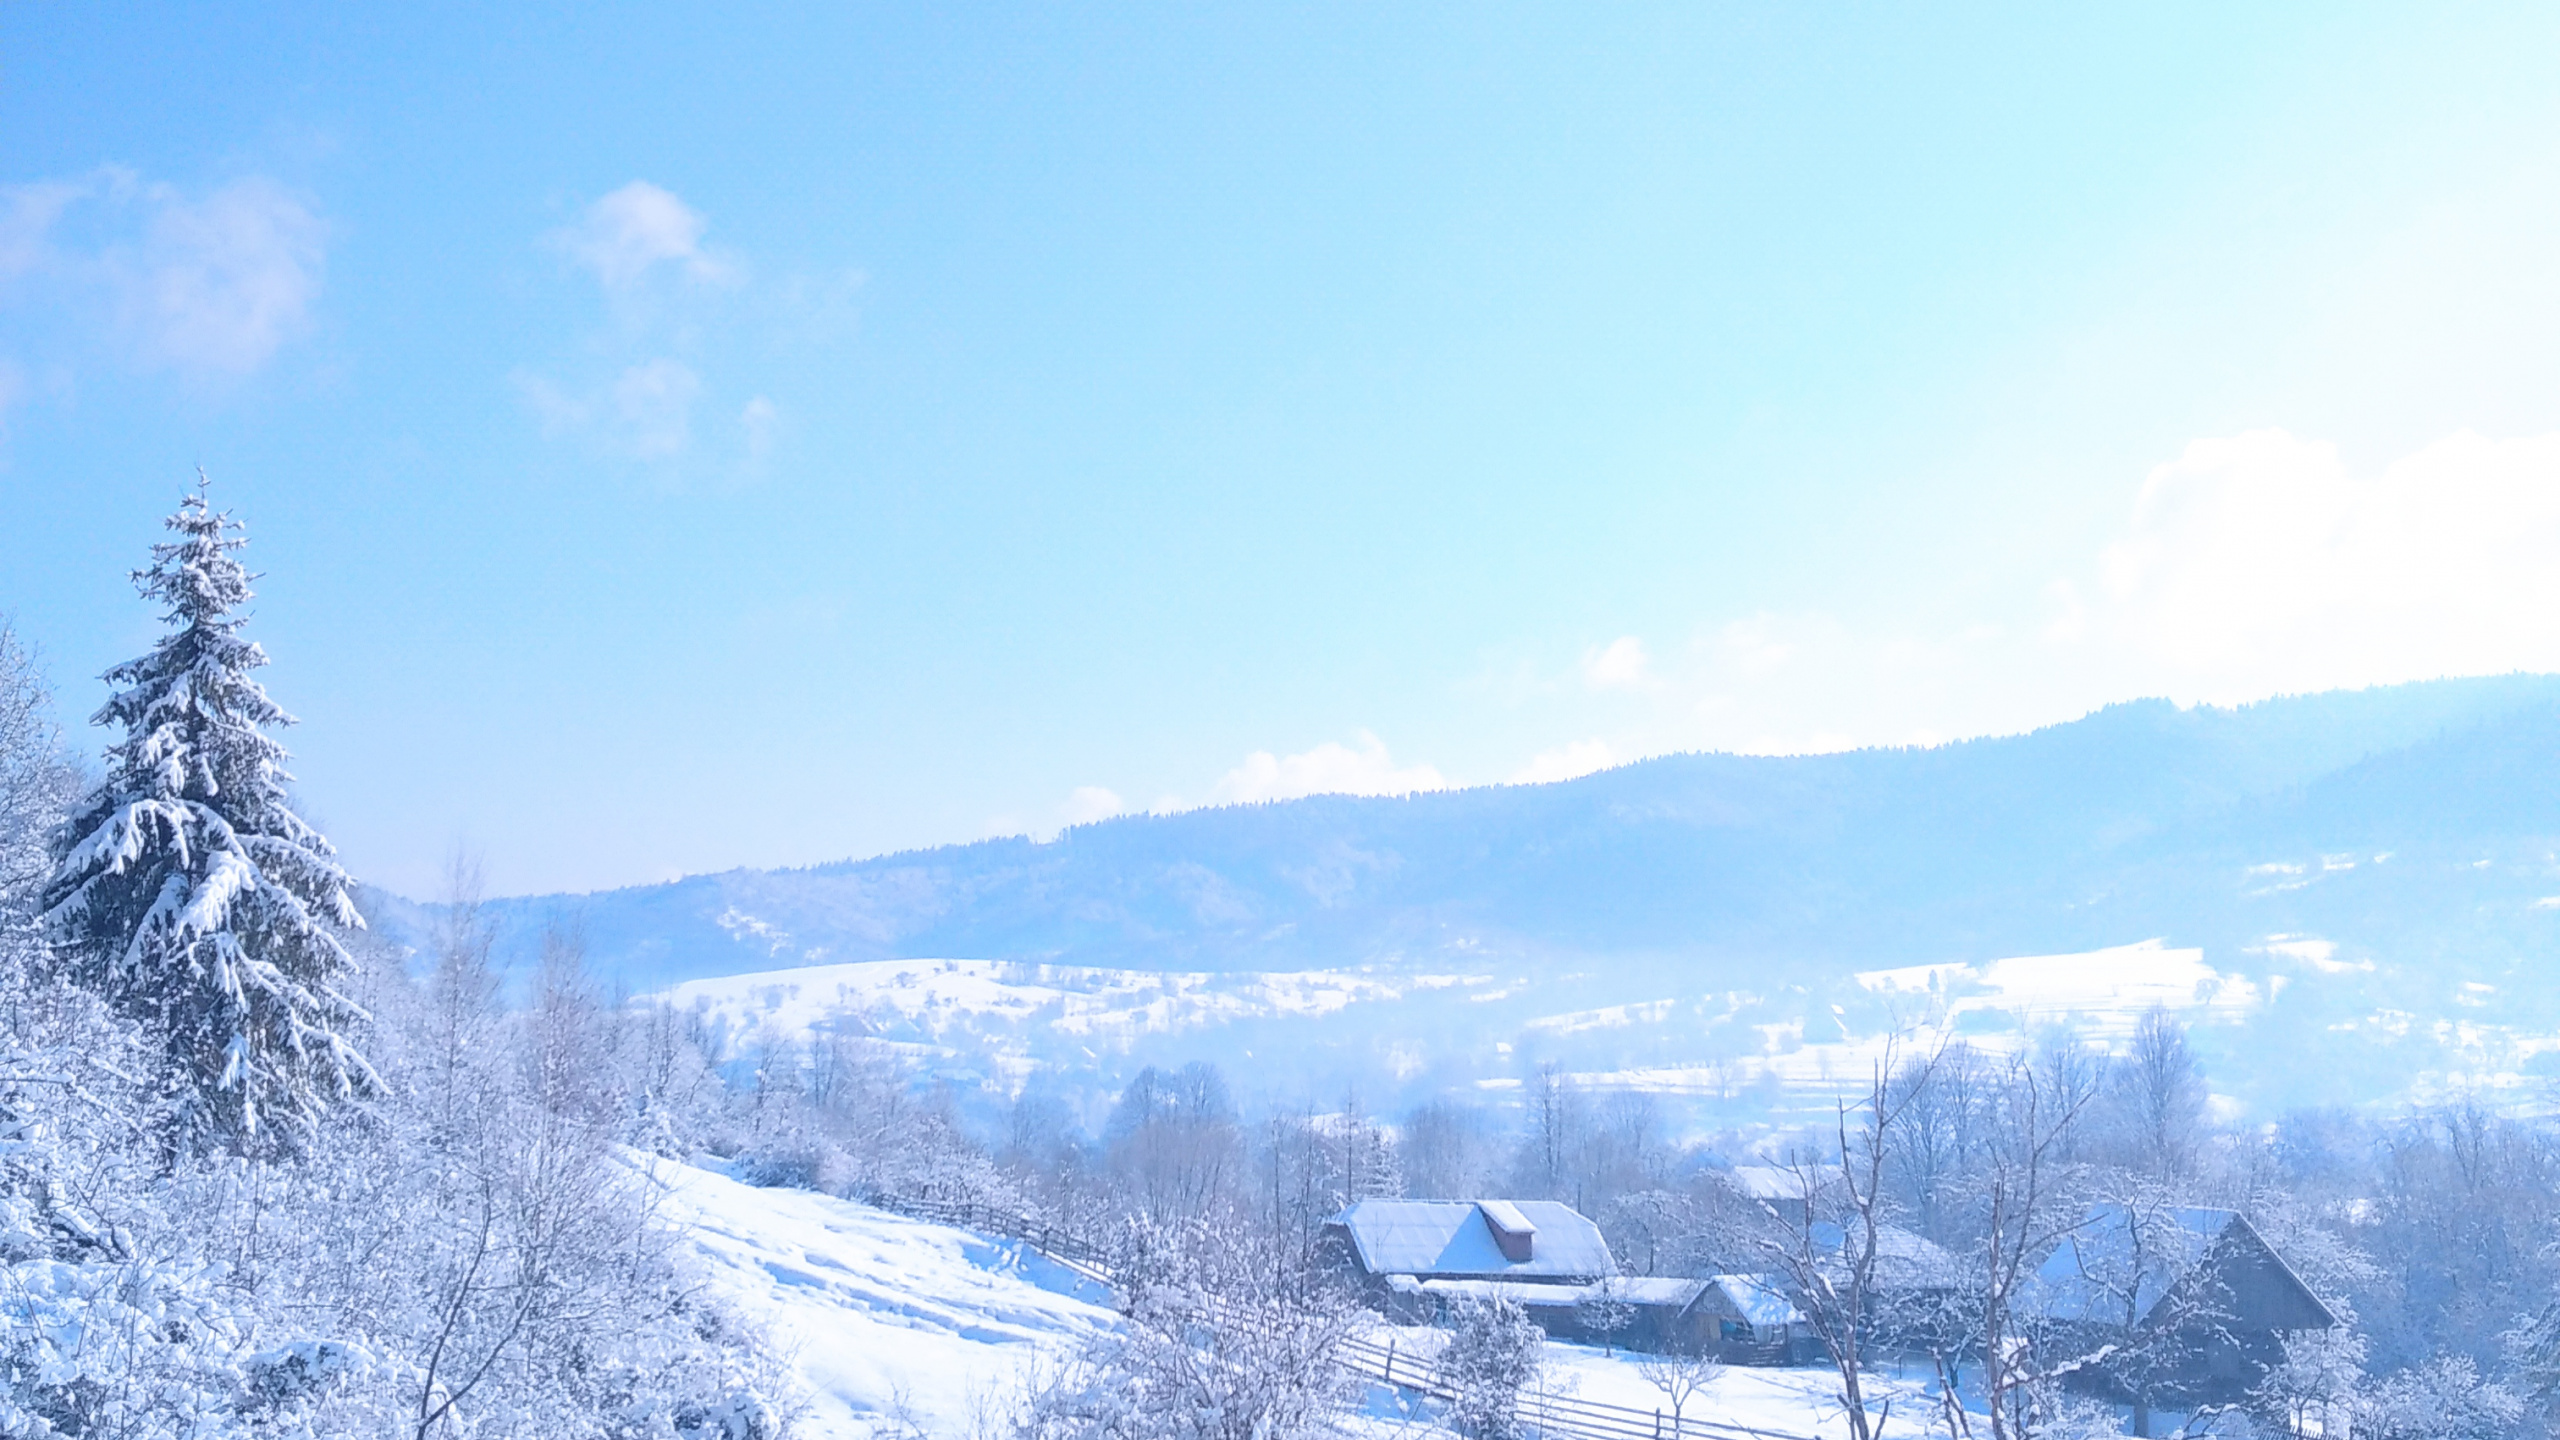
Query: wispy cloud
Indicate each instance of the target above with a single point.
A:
(208, 286)
(758, 418)
(644, 413)
(1620, 664)
(628, 234)
(216, 286)
(2248, 565)
(1566, 762)
(664, 288)
(653, 407)
(1088, 803)
(1328, 769)
(28, 214)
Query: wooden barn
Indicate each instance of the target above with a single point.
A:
(2187, 1306)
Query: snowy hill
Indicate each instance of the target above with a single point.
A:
(896, 1326)
(2365, 876)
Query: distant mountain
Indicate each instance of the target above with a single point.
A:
(2408, 836)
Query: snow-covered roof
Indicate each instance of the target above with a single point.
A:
(1767, 1182)
(1451, 1239)
(1904, 1259)
(1667, 1291)
(1758, 1300)
(2122, 1262)
(1545, 1296)
(2118, 1264)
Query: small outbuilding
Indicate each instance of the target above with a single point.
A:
(1754, 1321)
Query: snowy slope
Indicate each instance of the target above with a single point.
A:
(895, 1325)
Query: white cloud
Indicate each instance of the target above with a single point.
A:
(629, 240)
(628, 233)
(1328, 769)
(1759, 645)
(210, 287)
(1088, 803)
(557, 410)
(1622, 663)
(2249, 565)
(1579, 757)
(13, 384)
(646, 413)
(2258, 563)
(218, 285)
(27, 216)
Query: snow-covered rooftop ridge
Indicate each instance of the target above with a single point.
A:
(1452, 1239)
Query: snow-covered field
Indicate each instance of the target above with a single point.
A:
(1731, 1058)
(898, 1327)
(991, 1026)
(1785, 1402)
(1105, 1006)
(1779, 1402)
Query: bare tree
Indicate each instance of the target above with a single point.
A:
(1447, 1151)
(2036, 1109)
(1557, 1118)
(2161, 1096)
(1829, 1248)
(462, 995)
(1173, 1141)
(1214, 1349)
(1679, 1372)
(1936, 1137)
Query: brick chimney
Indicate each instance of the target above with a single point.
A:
(1513, 1235)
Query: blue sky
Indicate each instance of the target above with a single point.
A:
(759, 435)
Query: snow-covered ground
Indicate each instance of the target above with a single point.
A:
(1784, 1402)
(896, 1326)
(1778, 1402)
(903, 1328)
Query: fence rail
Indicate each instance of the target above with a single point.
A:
(1550, 1417)
(1556, 1416)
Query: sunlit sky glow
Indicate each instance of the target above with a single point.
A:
(678, 440)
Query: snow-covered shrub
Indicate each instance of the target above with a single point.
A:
(2444, 1399)
(1221, 1343)
(1495, 1352)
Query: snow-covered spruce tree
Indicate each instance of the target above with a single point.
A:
(187, 892)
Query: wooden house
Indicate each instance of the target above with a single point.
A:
(1413, 1256)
